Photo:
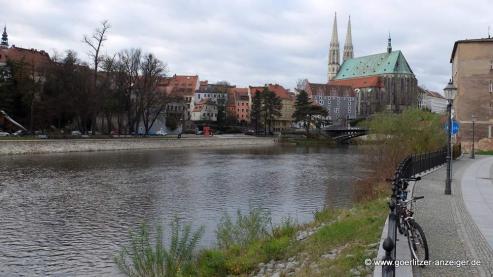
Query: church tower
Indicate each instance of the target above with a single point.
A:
(5, 38)
(348, 45)
(334, 59)
(389, 45)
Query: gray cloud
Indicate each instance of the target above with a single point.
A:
(254, 42)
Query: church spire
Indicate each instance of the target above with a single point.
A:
(334, 59)
(389, 45)
(348, 45)
(5, 38)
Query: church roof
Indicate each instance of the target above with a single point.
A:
(378, 64)
(361, 82)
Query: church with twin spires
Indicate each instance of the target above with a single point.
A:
(382, 81)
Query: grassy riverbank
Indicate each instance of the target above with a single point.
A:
(335, 243)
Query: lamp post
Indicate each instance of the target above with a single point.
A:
(473, 156)
(450, 90)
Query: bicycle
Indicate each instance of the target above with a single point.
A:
(407, 225)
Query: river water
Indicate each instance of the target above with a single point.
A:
(68, 214)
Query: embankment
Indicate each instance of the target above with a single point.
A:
(12, 147)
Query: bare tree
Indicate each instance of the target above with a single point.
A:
(153, 101)
(95, 42)
(130, 62)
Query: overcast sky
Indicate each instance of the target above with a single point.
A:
(254, 42)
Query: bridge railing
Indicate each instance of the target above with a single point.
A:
(408, 167)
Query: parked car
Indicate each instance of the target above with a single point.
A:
(42, 136)
(20, 133)
(4, 134)
(250, 132)
(161, 132)
(76, 133)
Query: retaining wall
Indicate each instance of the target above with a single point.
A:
(10, 147)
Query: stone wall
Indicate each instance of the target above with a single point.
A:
(10, 147)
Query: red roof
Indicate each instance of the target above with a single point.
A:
(179, 84)
(329, 90)
(279, 90)
(364, 82)
(38, 58)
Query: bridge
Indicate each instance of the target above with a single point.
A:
(342, 134)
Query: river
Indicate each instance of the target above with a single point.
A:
(68, 214)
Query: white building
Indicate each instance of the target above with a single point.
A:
(434, 102)
(204, 110)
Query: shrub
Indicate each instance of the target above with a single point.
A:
(245, 230)
(410, 132)
(212, 263)
(287, 228)
(274, 249)
(141, 258)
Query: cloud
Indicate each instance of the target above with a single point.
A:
(254, 42)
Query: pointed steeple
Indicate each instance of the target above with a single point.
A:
(334, 56)
(389, 45)
(5, 38)
(348, 45)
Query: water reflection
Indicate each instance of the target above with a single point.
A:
(67, 214)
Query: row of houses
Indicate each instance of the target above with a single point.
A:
(202, 100)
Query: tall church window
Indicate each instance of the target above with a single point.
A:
(491, 86)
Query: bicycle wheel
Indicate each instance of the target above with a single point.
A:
(417, 242)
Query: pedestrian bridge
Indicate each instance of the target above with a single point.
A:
(343, 134)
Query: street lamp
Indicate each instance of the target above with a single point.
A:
(473, 136)
(450, 90)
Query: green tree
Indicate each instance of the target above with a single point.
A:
(307, 113)
(256, 111)
(272, 106)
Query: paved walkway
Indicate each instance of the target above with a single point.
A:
(456, 225)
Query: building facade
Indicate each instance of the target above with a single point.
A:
(240, 104)
(472, 69)
(285, 121)
(433, 101)
(339, 101)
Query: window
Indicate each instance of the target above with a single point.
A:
(491, 86)
(336, 110)
(321, 102)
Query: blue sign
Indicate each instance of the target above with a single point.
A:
(455, 127)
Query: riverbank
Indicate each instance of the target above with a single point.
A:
(335, 243)
(14, 147)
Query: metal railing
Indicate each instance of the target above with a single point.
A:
(407, 168)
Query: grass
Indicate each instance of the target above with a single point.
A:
(351, 230)
(251, 239)
(143, 258)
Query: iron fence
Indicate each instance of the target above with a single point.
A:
(407, 168)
